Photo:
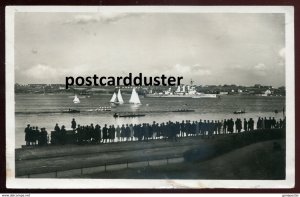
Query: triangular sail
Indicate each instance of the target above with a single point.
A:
(134, 97)
(113, 98)
(76, 99)
(183, 88)
(120, 99)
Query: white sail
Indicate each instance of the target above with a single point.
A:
(183, 88)
(76, 99)
(134, 97)
(113, 98)
(178, 89)
(120, 99)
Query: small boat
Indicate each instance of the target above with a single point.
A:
(76, 99)
(103, 109)
(71, 111)
(239, 112)
(116, 115)
(183, 110)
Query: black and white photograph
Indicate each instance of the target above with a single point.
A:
(150, 97)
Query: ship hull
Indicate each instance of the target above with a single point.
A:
(182, 96)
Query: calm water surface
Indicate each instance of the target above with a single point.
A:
(44, 110)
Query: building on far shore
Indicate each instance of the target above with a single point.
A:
(257, 89)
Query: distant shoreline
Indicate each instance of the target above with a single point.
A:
(128, 93)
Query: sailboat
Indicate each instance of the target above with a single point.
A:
(117, 98)
(134, 97)
(76, 99)
(113, 98)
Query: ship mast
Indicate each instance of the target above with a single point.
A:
(192, 82)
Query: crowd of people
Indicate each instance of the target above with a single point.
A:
(144, 132)
(33, 136)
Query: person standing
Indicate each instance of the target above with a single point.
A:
(97, 134)
(118, 131)
(63, 136)
(123, 132)
(154, 130)
(127, 132)
(73, 124)
(219, 127)
(146, 136)
(225, 126)
(258, 124)
(245, 125)
(251, 124)
(104, 132)
(113, 133)
(56, 128)
(35, 136)
(182, 128)
(27, 135)
(43, 137)
(110, 133)
(131, 132)
(230, 125)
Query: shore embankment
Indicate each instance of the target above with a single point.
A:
(38, 160)
(258, 161)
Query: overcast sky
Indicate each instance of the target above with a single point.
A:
(243, 49)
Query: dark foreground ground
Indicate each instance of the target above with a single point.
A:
(257, 161)
(248, 155)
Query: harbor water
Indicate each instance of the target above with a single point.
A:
(46, 110)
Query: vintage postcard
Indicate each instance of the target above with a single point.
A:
(150, 97)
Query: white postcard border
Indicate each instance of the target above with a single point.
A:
(13, 182)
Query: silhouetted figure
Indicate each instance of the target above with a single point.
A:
(225, 125)
(273, 123)
(105, 133)
(258, 124)
(264, 123)
(182, 128)
(33, 136)
(110, 133)
(27, 135)
(79, 134)
(145, 131)
(73, 124)
(43, 138)
(97, 134)
(210, 128)
(251, 124)
(131, 132)
(238, 125)
(219, 127)
(56, 128)
(63, 135)
(123, 133)
(200, 127)
(280, 123)
(230, 125)
(113, 133)
(118, 133)
(245, 125)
